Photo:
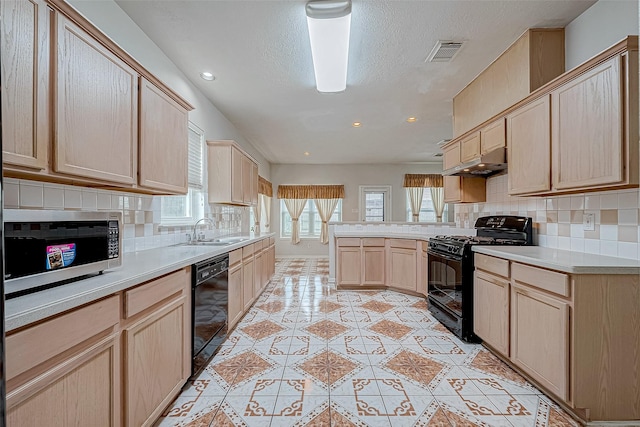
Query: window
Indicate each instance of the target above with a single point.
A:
(375, 203)
(310, 222)
(427, 213)
(188, 208)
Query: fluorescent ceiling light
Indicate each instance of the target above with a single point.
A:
(329, 24)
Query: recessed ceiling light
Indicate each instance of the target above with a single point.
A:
(306, 153)
(356, 124)
(466, 170)
(207, 76)
(481, 165)
(412, 120)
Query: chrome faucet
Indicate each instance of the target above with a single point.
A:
(195, 226)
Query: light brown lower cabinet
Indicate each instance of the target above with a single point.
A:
(373, 262)
(248, 279)
(423, 277)
(540, 338)
(257, 271)
(491, 310)
(82, 390)
(236, 306)
(574, 335)
(402, 264)
(349, 266)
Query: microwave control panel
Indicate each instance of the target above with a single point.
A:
(114, 239)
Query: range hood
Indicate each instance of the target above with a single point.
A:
(484, 166)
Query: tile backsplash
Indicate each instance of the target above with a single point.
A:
(142, 227)
(558, 220)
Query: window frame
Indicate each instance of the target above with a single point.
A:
(312, 212)
(386, 189)
(194, 199)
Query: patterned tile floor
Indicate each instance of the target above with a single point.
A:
(308, 355)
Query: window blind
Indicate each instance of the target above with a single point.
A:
(195, 157)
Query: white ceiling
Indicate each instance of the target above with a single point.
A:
(259, 52)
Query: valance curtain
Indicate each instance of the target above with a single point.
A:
(437, 197)
(295, 208)
(415, 183)
(325, 210)
(265, 187)
(311, 192)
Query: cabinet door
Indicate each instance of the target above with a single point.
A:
(452, 189)
(373, 266)
(470, 147)
(451, 156)
(529, 148)
(81, 391)
(257, 267)
(540, 338)
(237, 192)
(24, 38)
(236, 307)
(248, 279)
(163, 150)
(491, 311)
(96, 118)
(254, 184)
(587, 123)
(157, 361)
(423, 280)
(402, 268)
(492, 136)
(247, 186)
(349, 266)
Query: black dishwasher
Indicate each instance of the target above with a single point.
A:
(210, 290)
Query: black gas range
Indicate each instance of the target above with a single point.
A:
(450, 268)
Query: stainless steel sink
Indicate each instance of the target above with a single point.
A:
(205, 243)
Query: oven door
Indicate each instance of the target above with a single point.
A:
(445, 281)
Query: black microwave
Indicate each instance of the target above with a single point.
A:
(43, 248)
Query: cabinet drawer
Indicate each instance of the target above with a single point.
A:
(139, 299)
(35, 345)
(402, 243)
(370, 242)
(248, 251)
(491, 264)
(349, 241)
(235, 257)
(551, 281)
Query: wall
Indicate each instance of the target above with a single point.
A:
(114, 22)
(140, 213)
(558, 220)
(352, 176)
(599, 27)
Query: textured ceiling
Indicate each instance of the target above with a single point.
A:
(259, 52)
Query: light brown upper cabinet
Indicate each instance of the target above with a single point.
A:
(163, 150)
(529, 147)
(70, 105)
(536, 58)
(459, 189)
(233, 177)
(25, 83)
(96, 120)
(451, 155)
(581, 134)
(470, 147)
(493, 136)
(588, 114)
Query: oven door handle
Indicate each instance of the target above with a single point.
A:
(447, 257)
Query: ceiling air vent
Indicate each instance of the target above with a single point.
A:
(437, 155)
(444, 51)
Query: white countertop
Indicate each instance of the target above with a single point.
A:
(561, 260)
(137, 268)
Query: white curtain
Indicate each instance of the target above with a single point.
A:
(415, 200)
(257, 213)
(266, 201)
(325, 210)
(437, 196)
(295, 208)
